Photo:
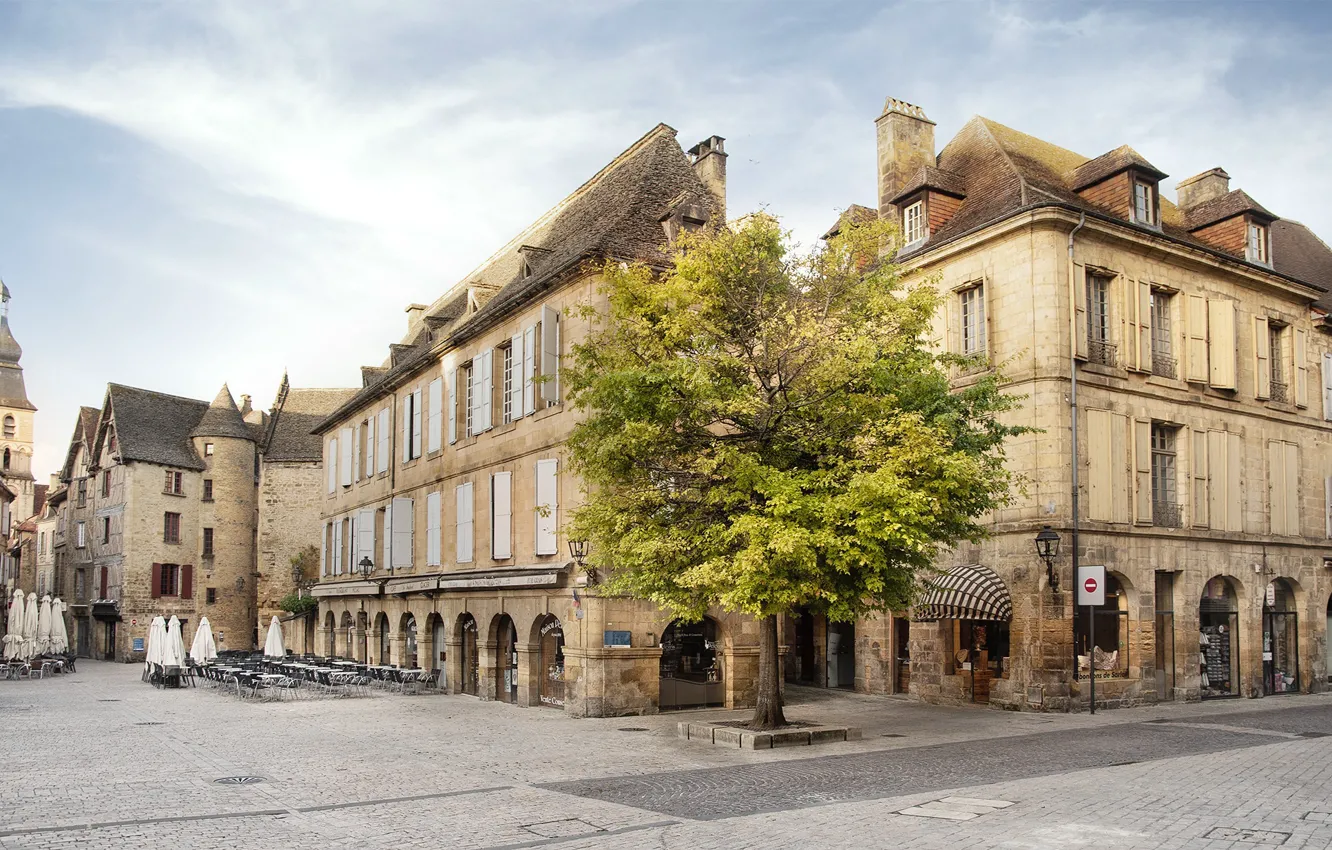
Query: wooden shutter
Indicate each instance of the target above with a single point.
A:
(432, 529)
(356, 452)
(1234, 467)
(1276, 487)
(416, 422)
(386, 559)
(550, 354)
(1301, 367)
(954, 319)
(1292, 482)
(516, 377)
(1080, 310)
(156, 580)
(529, 370)
(1221, 347)
(384, 431)
(323, 551)
(463, 516)
(1144, 341)
(338, 557)
(1142, 467)
(1100, 505)
(1327, 506)
(546, 506)
(365, 536)
(1262, 364)
(436, 403)
(187, 581)
(105, 581)
(486, 389)
(333, 465)
(1131, 323)
(1327, 387)
(406, 428)
(501, 515)
(1198, 460)
(1195, 315)
(1121, 463)
(453, 407)
(370, 447)
(345, 456)
(402, 533)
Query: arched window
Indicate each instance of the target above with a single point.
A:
(11, 428)
(6, 459)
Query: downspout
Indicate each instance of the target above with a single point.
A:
(1073, 407)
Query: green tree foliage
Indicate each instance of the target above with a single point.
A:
(766, 430)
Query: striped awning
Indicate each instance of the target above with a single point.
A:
(969, 592)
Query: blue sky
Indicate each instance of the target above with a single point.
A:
(193, 193)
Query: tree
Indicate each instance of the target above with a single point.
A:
(765, 430)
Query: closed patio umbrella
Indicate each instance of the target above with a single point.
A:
(44, 626)
(156, 638)
(173, 648)
(30, 627)
(14, 632)
(59, 636)
(204, 649)
(274, 646)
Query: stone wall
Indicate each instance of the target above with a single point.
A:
(291, 495)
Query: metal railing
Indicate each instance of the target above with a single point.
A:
(1163, 365)
(1102, 352)
(1167, 514)
(1279, 393)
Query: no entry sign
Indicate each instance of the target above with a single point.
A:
(1091, 585)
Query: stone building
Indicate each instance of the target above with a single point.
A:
(1186, 347)
(16, 421)
(446, 485)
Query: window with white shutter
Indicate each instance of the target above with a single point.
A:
(1223, 481)
(1222, 351)
(436, 391)
(1108, 473)
(529, 371)
(501, 515)
(1283, 475)
(402, 533)
(405, 428)
(337, 548)
(465, 514)
(432, 530)
(365, 537)
(453, 407)
(514, 377)
(416, 423)
(546, 506)
(550, 354)
(333, 465)
(370, 447)
(323, 549)
(471, 381)
(356, 452)
(383, 432)
(487, 390)
(345, 456)
(386, 558)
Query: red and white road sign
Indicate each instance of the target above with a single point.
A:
(1091, 585)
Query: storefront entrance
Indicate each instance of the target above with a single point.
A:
(691, 674)
(841, 655)
(384, 650)
(902, 637)
(1281, 641)
(84, 628)
(804, 667)
(471, 664)
(438, 655)
(982, 655)
(1218, 639)
(1328, 660)
(108, 640)
(1165, 636)
(551, 685)
(409, 646)
(506, 660)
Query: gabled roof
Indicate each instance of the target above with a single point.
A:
(1122, 158)
(151, 427)
(290, 427)
(616, 214)
(1222, 207)
(85, 432)
(854, 214)
(933, 178)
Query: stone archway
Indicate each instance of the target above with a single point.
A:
(346, 635)
(468, 670)
(330, 634)
(548, 637)
(1218, 638)
(504, 637)
(407, 631)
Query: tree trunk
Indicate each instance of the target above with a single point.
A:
(768, 705)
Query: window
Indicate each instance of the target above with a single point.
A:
(401, 521)
(465, 518)
(1163, 351)
(1165, 494)
(433, 519)
(106, 529)
(1276, 339)
(1283, 478)
(411, 426)
(81, 585)
(1255, 247)
(1144, 202)
(81, 537)
(331, 464)
(169, 581)
(501, 516)
(171, 528)
(208, 449)
(546, 506)
(83, 492)
(1099, 347)
(11, 428)
(175, 483)
(208, 542)
(506, 353)
(208, 490)
(913, 223)
(436, 417)
(106, 484)
(1112, 634)
(210, 595)
(973, 320)
(468, 399)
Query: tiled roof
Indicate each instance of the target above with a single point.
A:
(933, 178)
(85, 432)
(617, 213)
(223, 419)
(290, 436)
(153, 427)
(1223, 207)
(1093, 171)
(856, 213)
(38, 498)
(1297, 252)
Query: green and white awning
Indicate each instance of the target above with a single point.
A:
(970, 592)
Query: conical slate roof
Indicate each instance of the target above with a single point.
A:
(10, 350)
(222, 419)
(12, 391)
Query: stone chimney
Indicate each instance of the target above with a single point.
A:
(414, 314)
(1212, 183)
(906, 145)
(709, 159)
(245, 406)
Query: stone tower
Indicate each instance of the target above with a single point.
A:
(229, 453)
(16, 419)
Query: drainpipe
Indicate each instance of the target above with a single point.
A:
(1073, 407)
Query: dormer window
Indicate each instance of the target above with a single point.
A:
(913, 223)
(1145, 203)
(1255, 245)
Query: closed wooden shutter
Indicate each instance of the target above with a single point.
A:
(1301, 367)
(338, 557)
(187, 581)
(1198, 461)
(1221, 348)
(453, 407)
(323, 551)
(345, 456)
(432, 530)
(1262, 363)
(1234, 469)
(1327, 506)
(955, 323)
(436, 403)
(370, 447)
(1292, 483)
(416, 423)
(406, 429)
(333, 465)
(156, 580)
(1276, 487)
(546, 506)
(386, 559)
(1195, 317)
(1131, 322)
(402, 532)
(105, 582)
(516, 378)
(356, 452)
(464, 514)
(385, 432)
(550, 354)
(1142, 465)
(501, 515)
(1100, 505)
(1327, 387)
(1080, 310)
(1144, 326)
(365, 537)
(486, 390)
(529, 370)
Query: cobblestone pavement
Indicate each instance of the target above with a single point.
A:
(98, 759)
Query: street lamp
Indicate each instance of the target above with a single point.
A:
(1047, 546)
(578, 551)
(367, 566)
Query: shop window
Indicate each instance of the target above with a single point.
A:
(980, 654)
(1110, 653)
(550, 633)
(691, 673)
(1218, 640)
(1281, 643)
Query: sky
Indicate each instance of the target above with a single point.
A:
(199, 193)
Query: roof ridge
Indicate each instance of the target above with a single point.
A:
(111, 384)
(1003, 152)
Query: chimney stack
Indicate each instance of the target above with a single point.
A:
(414, 314)
(1212, 183)
(709, 159)
(245, 406)
(906, 145)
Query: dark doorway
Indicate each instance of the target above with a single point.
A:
(804, 668)
(691, 674)
(551, 687)
(109, 640)
(471, 663)
(902, 638)
(841, 649)
(506, 659)
(1281, 642)
(1165, 636)
(1218, 640)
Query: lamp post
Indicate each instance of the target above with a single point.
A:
(298, 579)
(366, 566)
(1047, 546)
(578, 551)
